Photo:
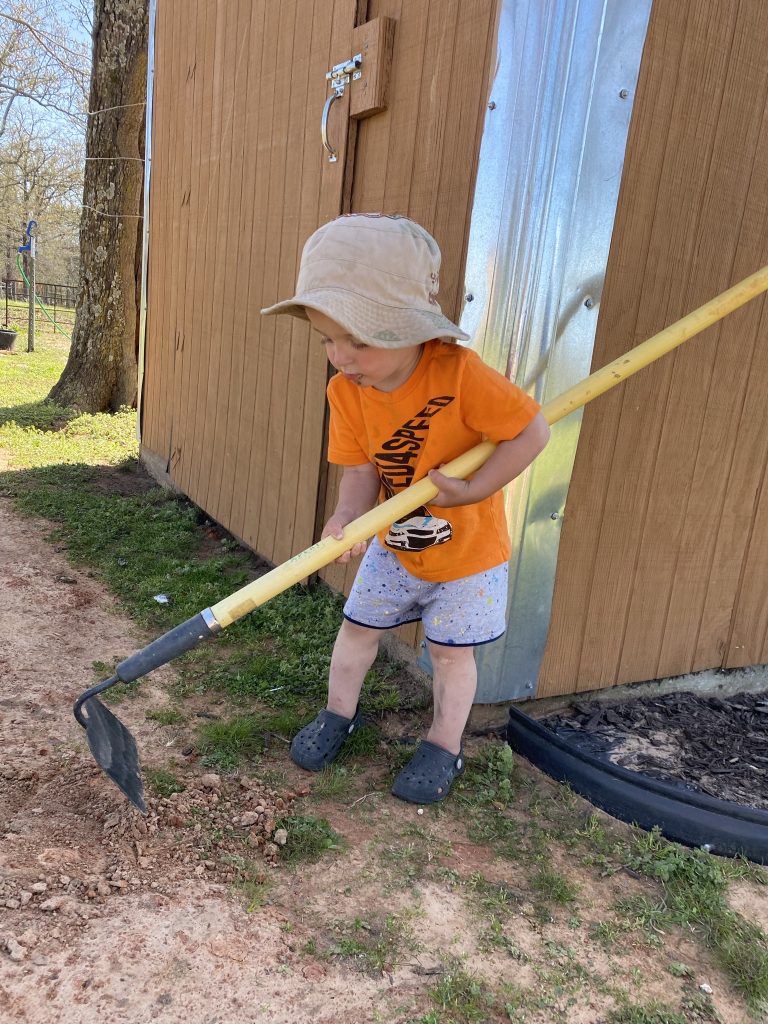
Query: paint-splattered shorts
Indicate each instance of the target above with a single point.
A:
(460, 613)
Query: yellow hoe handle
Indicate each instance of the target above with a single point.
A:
(325, 551)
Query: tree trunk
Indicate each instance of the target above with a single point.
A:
(101, 372)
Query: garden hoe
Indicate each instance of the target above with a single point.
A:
(113, 746)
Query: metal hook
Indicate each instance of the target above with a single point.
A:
(338, 76)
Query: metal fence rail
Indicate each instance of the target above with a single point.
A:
(63, 296)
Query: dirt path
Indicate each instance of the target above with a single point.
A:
(107, 916)
(102, 919)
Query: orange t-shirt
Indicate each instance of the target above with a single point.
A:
(451, 402)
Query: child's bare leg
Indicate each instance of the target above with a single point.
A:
(353, 654)
(454, 684)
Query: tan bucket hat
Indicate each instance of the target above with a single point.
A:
(375, 274)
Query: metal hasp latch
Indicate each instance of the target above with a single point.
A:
(338, 76)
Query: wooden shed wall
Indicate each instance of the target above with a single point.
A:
(663, 563)
(234, 403)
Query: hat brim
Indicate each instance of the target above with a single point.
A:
(375, 323)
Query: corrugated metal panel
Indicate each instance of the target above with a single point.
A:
(548, 182)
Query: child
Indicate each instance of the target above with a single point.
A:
(407, 399)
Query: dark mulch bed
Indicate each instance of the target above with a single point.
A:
(712, 745)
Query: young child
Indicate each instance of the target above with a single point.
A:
(407, 399)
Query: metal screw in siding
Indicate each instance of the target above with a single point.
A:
(589, 302)
(623, 93)
(469, 297)
(492, 105)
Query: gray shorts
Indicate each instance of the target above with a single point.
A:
(460, 613)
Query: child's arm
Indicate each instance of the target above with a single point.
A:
(508, 461)
(358, 493)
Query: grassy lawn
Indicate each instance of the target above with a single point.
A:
(268, 673)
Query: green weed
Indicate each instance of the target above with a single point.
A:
(250, 880)
(165, 716)
(553, 886)
(224, 744)
(652, 1013)
(484, 794)
(413, 856)
(460, 998)
(371, 944)
(162, 782)
(308, 839)
(332, 782)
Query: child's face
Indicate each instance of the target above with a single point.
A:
(369, 367)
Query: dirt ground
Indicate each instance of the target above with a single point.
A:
(107, 916)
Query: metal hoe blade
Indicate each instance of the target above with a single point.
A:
(114, 749)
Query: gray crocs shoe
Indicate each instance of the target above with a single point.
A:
(318, 743)
(429, 774)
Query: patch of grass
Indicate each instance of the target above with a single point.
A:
(308, 839)
(492, 897)
(414, 854)
(607, 933)
(120, 691)
(484, 794)
(163, 782)
(372, 945)
(651, 1013)
(332, 782)
(638, 913)
(495, 937)
(694, 885)
(460, 998)
(250, 881)
(553, 886)
(165, 716)
(224, 744)
(561, 976)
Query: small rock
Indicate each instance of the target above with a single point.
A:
(249, 818)
(706, 989)
(38, 887)
(54, 903)
(13, 904)
(281, 836)
(15, 950)
(103, 888)
(210, 781)
(25, 897)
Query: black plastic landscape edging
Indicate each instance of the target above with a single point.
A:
(695, 819)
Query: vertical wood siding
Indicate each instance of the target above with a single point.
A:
(663, 558)
(234, 403)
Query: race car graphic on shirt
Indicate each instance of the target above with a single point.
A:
(418, 532)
